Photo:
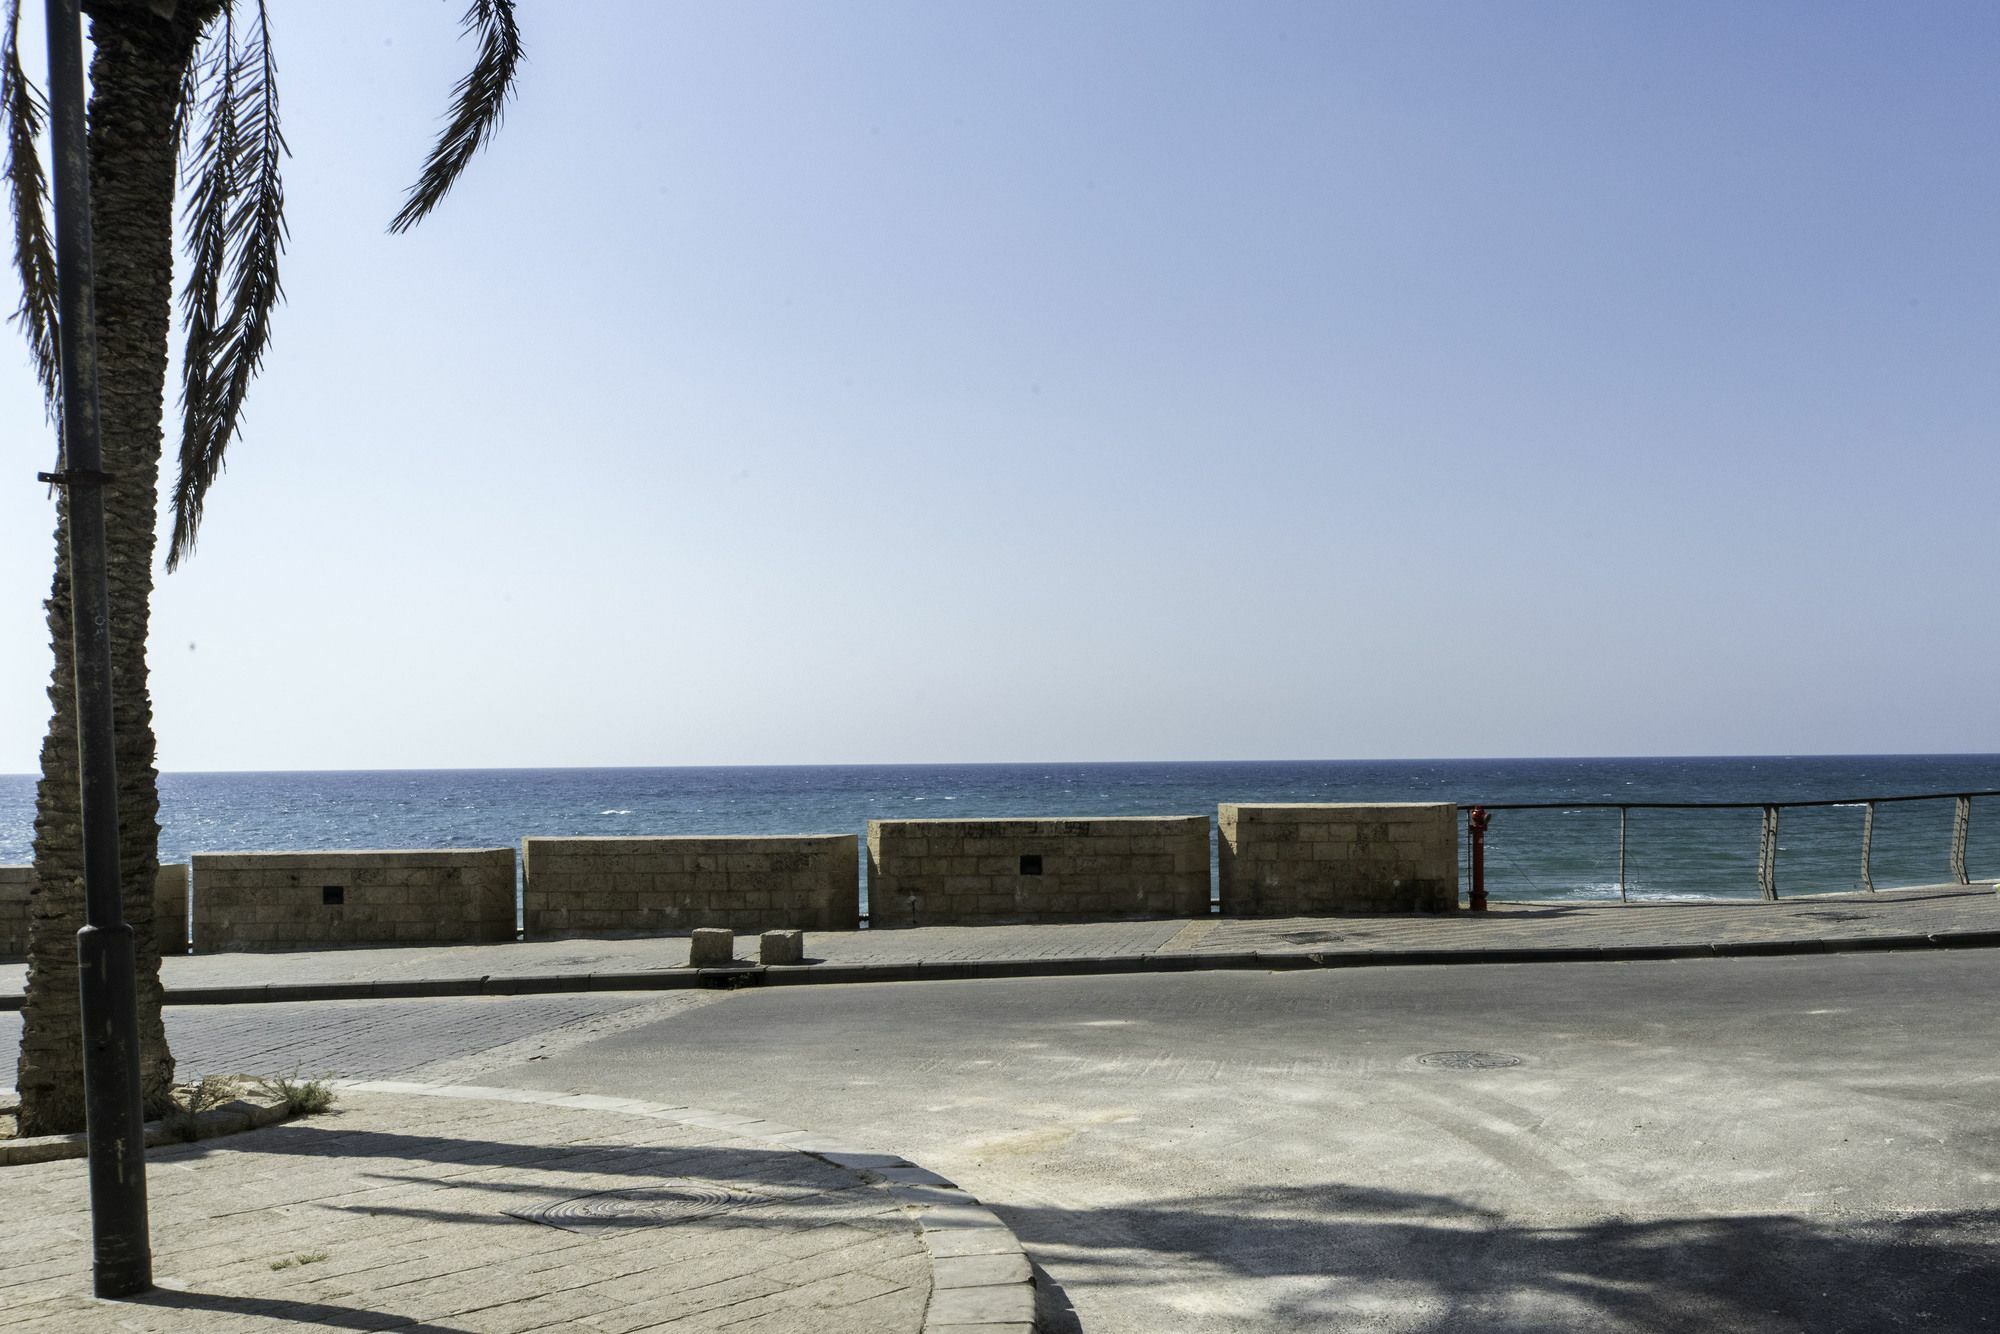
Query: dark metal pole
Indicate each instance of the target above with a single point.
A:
(122, 1259)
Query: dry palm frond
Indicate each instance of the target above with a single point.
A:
(188, 100)
(34, 254)
(481, 96)
(235, 224)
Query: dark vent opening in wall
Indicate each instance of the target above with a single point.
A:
(332, 895)
(1031, 863)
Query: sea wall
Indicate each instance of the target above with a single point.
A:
(933, 872)
(584, 886)
(16, 884)
(170, 907)
(1301, 860)
(304, 900)
(170, 903)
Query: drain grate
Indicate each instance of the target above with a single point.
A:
(646, 1206)
(1469, 1060)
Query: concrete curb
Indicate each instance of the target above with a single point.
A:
(239, 1114)
(954, 970)
(981, 1281)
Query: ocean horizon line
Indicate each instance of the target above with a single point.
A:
(1083, 764)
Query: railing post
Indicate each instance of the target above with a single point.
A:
(1867, 845)
(1767, 856)
(1621, 855)
(1961, 831)
(1475, 827)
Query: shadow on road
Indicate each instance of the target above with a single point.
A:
(1458, 1267)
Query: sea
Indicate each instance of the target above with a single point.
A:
(1569, 852)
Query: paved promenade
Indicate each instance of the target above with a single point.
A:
(443, 1206)
(1926, 917)
(502, 1211)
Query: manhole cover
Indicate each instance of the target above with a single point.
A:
(646, 1206)
(1469, 1060)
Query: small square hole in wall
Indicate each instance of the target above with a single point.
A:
(332, 894)
(1031, 863)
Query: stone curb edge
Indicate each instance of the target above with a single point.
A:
(238, 1114)
(981, 1281)
(1193, 961)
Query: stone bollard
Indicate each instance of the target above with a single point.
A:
(712, 947)
(781, 947)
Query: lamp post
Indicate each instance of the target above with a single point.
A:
(121, 1251)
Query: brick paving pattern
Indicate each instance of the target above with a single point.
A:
(397, 1211)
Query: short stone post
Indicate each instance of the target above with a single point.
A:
(712, 947)
(781, 947)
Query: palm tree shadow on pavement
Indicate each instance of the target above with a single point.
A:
(1450, 1266)
(1438, 1263)
(323, 1315)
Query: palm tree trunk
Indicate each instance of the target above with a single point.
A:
(136, 72)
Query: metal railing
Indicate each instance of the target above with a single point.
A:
(1479, 818)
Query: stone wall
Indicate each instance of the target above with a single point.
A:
(169, 908)
(929, 872)
(589, 886)
(307, 900)
(16, 883)
(1301, 860)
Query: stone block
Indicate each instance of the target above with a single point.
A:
(781, 947)
(648, 884)
(1305, 859)
(711, 947)
(924, 872)
(423, 896)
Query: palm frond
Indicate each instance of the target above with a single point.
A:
(211, 179)
(34, 252)
(480, 97)
(235, 221)
(188, 100)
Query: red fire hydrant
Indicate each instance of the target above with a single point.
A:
(1475, 825)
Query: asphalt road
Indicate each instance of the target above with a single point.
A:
(1807, 1144)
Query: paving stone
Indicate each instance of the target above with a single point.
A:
(954, 1242)
(958, 1216)
(1000, 1304)
(388, 1218)
(978, 1271)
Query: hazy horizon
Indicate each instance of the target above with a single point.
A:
(1081, 764)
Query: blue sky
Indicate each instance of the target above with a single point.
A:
(1003, 381)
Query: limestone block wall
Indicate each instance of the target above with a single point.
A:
(16, 883)
(1299, 860)
(748, 883)
(306, 900)
(931, 872)
(169, 908)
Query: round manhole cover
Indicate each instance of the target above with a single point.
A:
(1469, 1060)
(645, 1206)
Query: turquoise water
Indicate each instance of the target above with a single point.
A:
(1561, 854)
